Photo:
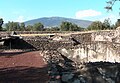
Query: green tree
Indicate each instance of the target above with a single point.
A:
(16, 26)
(97, 25)
(22, 26)
(64, 26)
(113, 26)
(54, 29)
(29, 28)
(106, 24)
(117, 24)
(38, 27)
(1, 23)
(76, 28)
(68, 26)
(12, 26)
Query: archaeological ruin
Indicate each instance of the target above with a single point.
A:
(72, 57)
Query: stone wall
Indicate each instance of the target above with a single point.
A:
(3, 34)
(78, 58)
(95, 46)
(64, 70)
(88, 46)
(46, 43)
(94, 52)
(109, 36)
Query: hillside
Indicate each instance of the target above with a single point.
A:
(56, 21)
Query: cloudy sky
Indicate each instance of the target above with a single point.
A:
(23, 10)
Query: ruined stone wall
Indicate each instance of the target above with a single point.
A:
(45, 43)
(108, 36)
(3, 34)
(93, 52)
(64, 56)
(43, 32)
(83, 37)
(62, 69)
(93, 46)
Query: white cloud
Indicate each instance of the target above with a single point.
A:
(20, 19)
(87, 13)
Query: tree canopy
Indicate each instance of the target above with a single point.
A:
(96, 25)
(53, 29)
(12, 26)
(29, 28)
(117, 24)
(38, 27)
(22, 26)
(15, 26)
(68, 26)
(1, 23)
(106, 24)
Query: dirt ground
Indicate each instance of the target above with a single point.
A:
(22, 67)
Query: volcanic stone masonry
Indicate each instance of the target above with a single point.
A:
(82, 46)
(79, 57)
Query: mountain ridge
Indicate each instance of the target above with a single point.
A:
(56, 21)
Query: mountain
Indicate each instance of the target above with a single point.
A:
(56, 21)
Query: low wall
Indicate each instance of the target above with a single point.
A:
(109, 36)
(66, 55)
(94, 52)
(70, 71)
(88, 46)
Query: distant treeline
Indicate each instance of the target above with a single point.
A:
(64, 26)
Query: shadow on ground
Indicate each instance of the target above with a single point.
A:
(23, 75)
(18, 44)
(9, 54)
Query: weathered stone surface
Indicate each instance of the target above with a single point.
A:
(79, 56)
(97, 72)
(81, 47)
(67, 77)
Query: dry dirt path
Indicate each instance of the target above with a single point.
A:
(22, 67)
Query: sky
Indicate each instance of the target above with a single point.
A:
(24, 10)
